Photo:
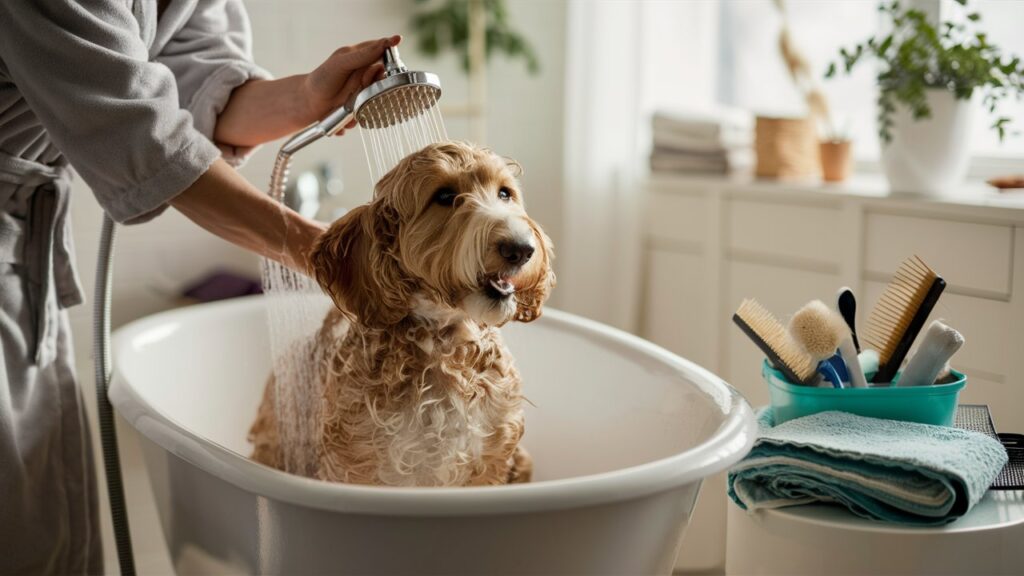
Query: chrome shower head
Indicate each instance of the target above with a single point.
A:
(399, 96)
(396, 99)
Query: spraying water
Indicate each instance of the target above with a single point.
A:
(387, 138)
(397, 116)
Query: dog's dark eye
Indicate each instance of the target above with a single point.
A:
(445, 196)
(504, 193)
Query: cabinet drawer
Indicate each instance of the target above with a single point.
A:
(677, 218)
(799, 232)
(984, 324)
(675, 306)
(967, 255)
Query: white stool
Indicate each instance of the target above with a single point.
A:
(819, 539)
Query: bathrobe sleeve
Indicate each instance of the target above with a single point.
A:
(211, 56)
(85, 73)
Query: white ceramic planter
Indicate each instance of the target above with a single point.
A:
(929, 156)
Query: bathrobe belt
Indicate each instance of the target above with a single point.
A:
(40, 243)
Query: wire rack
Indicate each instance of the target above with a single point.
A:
(977, 417)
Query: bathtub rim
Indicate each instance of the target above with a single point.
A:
(725, 446)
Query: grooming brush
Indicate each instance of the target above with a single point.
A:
(821, 331)
(847, 306)
(812, 328)
(776, 342)
(939, 344)
(900, 313)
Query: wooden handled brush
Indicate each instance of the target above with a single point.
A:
(822, 331)
(897, 318)
(776, 342)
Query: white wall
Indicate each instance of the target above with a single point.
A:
(156, 260)
(525, 113)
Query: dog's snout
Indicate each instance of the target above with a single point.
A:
(516, 253)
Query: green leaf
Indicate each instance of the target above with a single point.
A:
(1000, 126)
(445, 26)
(916, 56)
(885, 45)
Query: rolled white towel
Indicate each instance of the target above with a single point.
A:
(939, 344)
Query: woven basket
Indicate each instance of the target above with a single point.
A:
(787, 148)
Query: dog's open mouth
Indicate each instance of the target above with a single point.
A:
(499, 287)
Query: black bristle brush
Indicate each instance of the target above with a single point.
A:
(776, 342)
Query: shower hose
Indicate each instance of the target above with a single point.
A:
(108, 435)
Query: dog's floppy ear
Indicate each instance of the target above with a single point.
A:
(530, 299)
(354, 265)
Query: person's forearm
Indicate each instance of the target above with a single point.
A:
(263, 110)
(226, 204)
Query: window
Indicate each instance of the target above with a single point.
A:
(1002, 20)
(755, 77)
(745, 69)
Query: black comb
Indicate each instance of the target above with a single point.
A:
(888, 371)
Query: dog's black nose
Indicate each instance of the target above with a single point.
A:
(515, 253)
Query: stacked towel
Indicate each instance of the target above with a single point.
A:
(715, 142)
(900, 472)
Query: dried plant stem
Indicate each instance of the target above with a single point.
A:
(800, 71)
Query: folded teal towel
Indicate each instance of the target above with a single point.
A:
(887, 470)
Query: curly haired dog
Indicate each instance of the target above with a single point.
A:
(419, 389)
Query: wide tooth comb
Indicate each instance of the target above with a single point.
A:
(776, 342)
(897, 318)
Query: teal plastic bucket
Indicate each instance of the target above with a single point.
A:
(925, 404)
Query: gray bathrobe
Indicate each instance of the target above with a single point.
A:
(131, 104)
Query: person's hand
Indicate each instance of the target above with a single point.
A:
(263, 110)
(344, 74)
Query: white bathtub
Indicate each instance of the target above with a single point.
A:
(621, 432)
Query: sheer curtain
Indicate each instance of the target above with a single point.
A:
(624, 60)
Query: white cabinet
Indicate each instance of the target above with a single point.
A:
(712, 242)
(789, 232)
(678, 219)
(675, 319)
(970, 256)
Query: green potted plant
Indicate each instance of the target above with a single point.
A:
(445, 25)
(927, 76)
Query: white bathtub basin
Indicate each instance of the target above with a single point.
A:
(621, 432)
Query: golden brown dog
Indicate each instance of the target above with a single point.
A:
(418, 388)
